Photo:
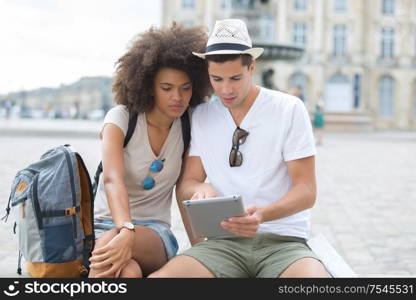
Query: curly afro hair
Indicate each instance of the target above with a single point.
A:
(155, 49)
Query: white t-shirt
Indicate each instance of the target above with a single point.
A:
(279, 131)
(153, 204)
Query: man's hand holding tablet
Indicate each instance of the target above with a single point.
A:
(206, 216)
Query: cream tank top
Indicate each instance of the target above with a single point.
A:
(153, 204)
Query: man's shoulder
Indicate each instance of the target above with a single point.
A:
(279, 99)
(209, 107)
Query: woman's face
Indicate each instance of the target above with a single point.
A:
(172, 92)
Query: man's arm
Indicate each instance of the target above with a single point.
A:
(191, 185)
(302, 196)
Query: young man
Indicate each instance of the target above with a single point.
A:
(256, 143)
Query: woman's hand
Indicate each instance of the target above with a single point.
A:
(113, 256)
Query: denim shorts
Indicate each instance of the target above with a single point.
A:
(163, 230)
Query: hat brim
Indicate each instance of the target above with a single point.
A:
(254, 52)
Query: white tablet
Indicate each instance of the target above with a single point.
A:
(205, 215)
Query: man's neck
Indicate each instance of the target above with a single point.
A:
(241, 111)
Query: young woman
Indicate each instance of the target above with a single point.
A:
(158, 78)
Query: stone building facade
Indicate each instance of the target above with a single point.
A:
(359, 56)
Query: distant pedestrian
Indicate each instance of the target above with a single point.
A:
(298, 92)
(8, 107)
(77, 109)
(318, 122)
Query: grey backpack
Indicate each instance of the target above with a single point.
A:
(53, 207)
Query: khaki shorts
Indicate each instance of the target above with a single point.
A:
(266, 255)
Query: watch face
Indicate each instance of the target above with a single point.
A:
(128, 225)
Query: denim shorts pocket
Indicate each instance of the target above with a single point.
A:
(171, 244)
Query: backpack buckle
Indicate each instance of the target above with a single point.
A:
(71, 211)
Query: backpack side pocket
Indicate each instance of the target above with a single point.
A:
(26, 219)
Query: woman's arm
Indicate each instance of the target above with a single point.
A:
(114, 172)
(116, 253)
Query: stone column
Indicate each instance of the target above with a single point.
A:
(282, 29)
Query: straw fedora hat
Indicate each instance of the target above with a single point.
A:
(230, 36)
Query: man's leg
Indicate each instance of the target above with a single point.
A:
(306, 267)
(182, 266)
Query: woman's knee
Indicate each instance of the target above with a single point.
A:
(131, 270)
(103, 240)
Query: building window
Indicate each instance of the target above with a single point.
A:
(339, 94)
(243, 4)
(357, 90)
(387, 42)
(300, 4)
(226, 4)
(299, 34)
(188, 4)
(340, 5)
(188, 23)
(388, 7)
(340, 38)
(266, 27)
(386, 96)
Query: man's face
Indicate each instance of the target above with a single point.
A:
(231, 81)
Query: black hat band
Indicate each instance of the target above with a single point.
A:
(226, 46)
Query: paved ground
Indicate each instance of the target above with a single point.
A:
(365, 207)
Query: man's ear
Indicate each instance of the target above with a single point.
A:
(252, 66)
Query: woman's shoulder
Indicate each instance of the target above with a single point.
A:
(118, 115)
(119, 110)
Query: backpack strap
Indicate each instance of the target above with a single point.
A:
(186, 132)
(129, 134)
(130, 129)
(19, 263)
(6, 216)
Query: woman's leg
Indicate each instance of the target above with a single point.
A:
(131, 270)
(149, 250)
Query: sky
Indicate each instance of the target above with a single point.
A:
(45, 43)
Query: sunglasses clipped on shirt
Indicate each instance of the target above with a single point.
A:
(239, 138)
(155, 167)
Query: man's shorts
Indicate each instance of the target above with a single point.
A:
(266, 255)
(163, 230)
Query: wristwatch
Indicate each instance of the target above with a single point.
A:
(127, 225)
